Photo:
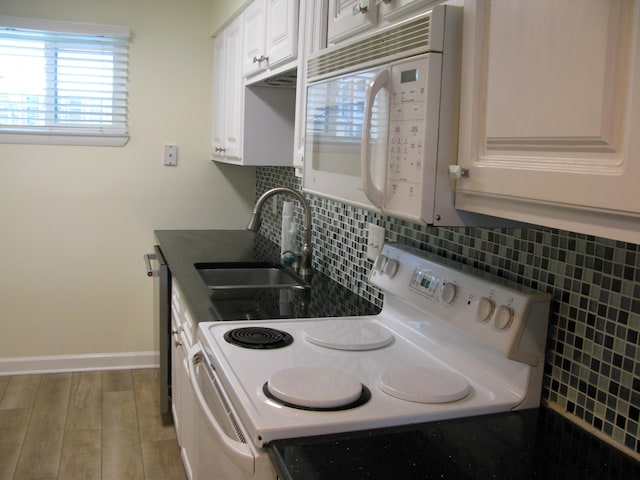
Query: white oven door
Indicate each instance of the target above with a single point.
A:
(222, 453)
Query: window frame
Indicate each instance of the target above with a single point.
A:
(58, 135)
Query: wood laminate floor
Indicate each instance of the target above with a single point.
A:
(85, 426)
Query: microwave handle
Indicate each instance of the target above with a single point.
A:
(375, 195)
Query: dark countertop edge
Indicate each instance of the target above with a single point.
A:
(543, 444)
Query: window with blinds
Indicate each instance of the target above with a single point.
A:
(63, 82)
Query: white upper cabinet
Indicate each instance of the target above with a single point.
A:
(253, 124)
(228, 98)
(218, 102)
(270, 35)
(253, 50)
(550, 114)
(388, 9)
(350, 17)
(281, 30)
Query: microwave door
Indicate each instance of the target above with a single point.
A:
(333, 137)
(374, 138)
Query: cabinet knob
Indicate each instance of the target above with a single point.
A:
(219, 149)
(358, 9)
(456, 172)
(260, 59)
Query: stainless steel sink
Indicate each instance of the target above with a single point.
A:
(221, 276)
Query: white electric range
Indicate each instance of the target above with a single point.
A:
(449, 342)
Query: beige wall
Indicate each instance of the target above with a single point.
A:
(75, 221)
(223, 10)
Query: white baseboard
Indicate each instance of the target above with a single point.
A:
(78, 363)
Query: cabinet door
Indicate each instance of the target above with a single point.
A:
(233, 91)
(187, 411)
(550, 114)
(218, 95)
(253, 51)
(281, 24)
(393, 8)
(177, 381)
(348, 17)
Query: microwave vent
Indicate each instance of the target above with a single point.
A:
(411, 37)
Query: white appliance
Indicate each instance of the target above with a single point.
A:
(449, 342)
(382, 120)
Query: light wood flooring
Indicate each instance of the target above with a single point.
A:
(85, 426)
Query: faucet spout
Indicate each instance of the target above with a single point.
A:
(254, 223)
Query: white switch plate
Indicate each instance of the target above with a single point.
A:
(171, 155)
(375, 240)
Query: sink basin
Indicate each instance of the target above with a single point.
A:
(221, 276)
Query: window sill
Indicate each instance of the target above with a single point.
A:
(65, 139)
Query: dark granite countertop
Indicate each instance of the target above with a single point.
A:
(184, 248)
(527, 444)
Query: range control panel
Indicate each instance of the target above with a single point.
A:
(504, 315)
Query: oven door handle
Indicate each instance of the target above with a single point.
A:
(373, 193)
(238, 451)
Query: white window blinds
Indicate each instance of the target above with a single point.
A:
(63, 81)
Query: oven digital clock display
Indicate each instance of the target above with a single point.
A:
(435, 288)
(425, 282)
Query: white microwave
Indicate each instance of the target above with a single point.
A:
(381, 123)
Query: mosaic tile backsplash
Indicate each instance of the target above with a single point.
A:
(592, 371)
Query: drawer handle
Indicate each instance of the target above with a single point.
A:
(358, 9)
(147, 261)
(260, 59)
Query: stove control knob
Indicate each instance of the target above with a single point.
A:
(391, 267)
(448, 293)
(484, 309)
(380, 263)
(504, 317)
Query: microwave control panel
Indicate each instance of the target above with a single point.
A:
(413, 136)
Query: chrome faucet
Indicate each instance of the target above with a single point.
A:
(254, 224)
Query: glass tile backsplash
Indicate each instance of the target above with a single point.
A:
(592, 371)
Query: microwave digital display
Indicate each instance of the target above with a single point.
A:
(409, 75)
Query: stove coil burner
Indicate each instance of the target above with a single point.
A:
(258, 338)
